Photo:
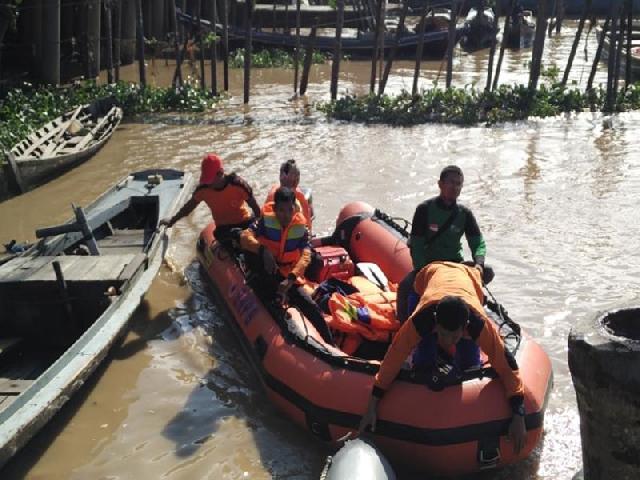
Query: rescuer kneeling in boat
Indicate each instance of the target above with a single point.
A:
(290, 178)
(450, 322)
(229, 197)
(280, 240)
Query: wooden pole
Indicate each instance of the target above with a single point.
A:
(129, 21)
(203, 83)
(308, 57)
(620, 42)
(248, 49)
(214, 49)
(225, 45)
(492, 52)
(50, 62)
(598, 55)
(611, 64)
(506, 31)
(296, 55)
(451, 41)
(560, 9)
(576, 41)
(116, 40)
(416, 71)
(627, 71)
(273, 28)
(109, 49)
(376, 40)
(538, 45)
(140, 43)
(335, 67)
(177, 76)
(93, 38)
(394, 50)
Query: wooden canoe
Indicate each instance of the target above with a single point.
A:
(63, 143)
(62, 308)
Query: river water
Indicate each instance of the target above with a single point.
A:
(555, 199)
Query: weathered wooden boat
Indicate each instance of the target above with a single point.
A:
(435, 41)
(425, 422)
(67, 299)
(634, 56)
(63, 143)
(522, 31)
(480, 28)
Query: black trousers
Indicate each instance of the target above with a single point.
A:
(297, 297)
(226, 234)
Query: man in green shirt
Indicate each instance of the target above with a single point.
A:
(436, 232)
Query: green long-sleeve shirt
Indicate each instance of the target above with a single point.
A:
(429, 216)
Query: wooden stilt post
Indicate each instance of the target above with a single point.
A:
(560, 11)
(177, 76)
(618, 52)
(129, 26)
(376, 40)
(576, 41)
(50, 62)
(598, 55)
(627, 70)
(492, 52)
(538, 45)
(140, 43)
(109, 49)
(505, 35)
(296, 55)
(394, 50)
(116, 39)
(611, 63)
(225, 45)
(451, 41)
(308, 57)
(337, 54)
(248, 49)
(416, 71)
(214, 49)
(93, 38)
(203, 83)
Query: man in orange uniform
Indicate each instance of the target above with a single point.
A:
(229, 198)
(449, 312)
(290, 178)
(280, 240)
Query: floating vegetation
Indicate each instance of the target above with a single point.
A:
(273, 58)
(468, 106)
(27, 108)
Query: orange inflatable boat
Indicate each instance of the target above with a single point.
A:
(425, 423)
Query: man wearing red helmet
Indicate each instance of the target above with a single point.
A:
(229, 197)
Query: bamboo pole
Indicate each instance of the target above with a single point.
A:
(596, 58)
(335, 67)
(492, 52)
(214, 49)
(376, 39)
(116, 40)
(451, 40)
(416, 71)
(203, 83)
(394, 50)
(109, 49)
(248, 49)
(308, 57)
(296, 55)
(611, 60)
(560, 11)
(140, 43)
(505, 36)
(538, 45)
(620, 42)
(225, 45)
(576, 41)
(627, 72)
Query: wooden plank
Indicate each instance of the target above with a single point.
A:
(14, 172)
(14, 386)
(133, 266)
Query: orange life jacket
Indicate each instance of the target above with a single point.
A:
(286, 244)
(302, 205)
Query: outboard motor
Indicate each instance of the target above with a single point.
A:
(357, 460)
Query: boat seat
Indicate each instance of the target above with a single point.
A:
(123, 241)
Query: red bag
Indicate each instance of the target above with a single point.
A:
(330, 261)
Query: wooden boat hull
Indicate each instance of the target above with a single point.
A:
(325, 391)
(43, 395)
(45, 154)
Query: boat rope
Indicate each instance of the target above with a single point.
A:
(393, 222)
(506, 320)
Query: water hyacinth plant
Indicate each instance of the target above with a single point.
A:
(25, 109)
(272, 58)
(468, 106)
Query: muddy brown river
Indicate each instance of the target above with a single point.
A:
(556, 200)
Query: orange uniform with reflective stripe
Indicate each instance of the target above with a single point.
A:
(228, 205)
(434, 282)
(302, 205)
